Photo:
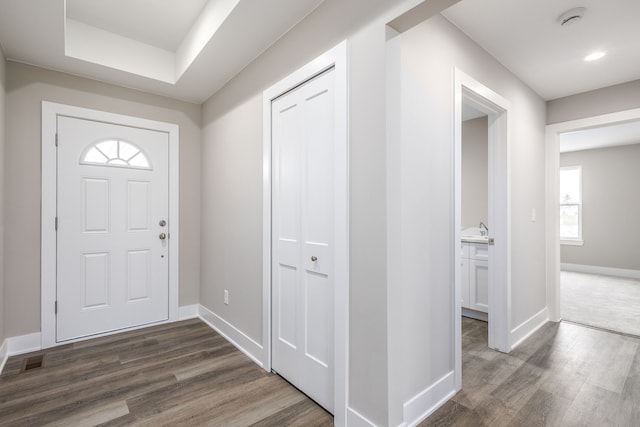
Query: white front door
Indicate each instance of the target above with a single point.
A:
(112, 212)
(302, 230)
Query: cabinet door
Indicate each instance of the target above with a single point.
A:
(464, 282)
(478, 285)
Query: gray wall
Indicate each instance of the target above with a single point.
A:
(232, 185)
(421, 213)
(27, 87)
(611, 208)
(625, 96)
(3, 92)
(475, 171)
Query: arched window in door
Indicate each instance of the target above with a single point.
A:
(117, 153)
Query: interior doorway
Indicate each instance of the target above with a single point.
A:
(553, 135)
(495, 267)
(599, 236)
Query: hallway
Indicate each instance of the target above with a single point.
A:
(564, 375)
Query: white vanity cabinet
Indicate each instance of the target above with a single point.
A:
(474, 276)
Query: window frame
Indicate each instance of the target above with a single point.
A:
(109, 160)
(564, 240)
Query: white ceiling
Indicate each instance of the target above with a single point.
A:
(142, 21)
(526, 37)
(188, 49)
(601, 137)
(185, 49)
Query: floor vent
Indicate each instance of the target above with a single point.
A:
(33, 362)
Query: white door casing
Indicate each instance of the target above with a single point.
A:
(112, 246)
(302, 230)
(552, 185)
(51, 113)
(335, 58)
(498, 109)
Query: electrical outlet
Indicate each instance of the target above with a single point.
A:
(226, 297)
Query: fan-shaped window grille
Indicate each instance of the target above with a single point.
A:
(116, 153)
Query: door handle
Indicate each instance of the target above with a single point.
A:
(162, 236)
(314, 258)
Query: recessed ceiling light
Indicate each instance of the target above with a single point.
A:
(594, 56)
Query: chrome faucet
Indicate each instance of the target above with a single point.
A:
(482, 232)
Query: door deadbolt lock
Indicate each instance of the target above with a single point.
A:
(162, 223)
(162, 236)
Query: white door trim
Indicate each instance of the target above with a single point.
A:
(337, 58)
(50, 112)
(552, 179)
(499, 110)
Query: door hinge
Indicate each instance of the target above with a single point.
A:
(56, 223)
(56, 139)
(56, 307)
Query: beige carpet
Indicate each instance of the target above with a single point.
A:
(602, 301)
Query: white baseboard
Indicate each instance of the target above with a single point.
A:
(603, 271)
(419, 407)
(24, 344)
(4, 354)
(478, 315)
(528, 327)
(355, 419)
(188, 311)
(236, 337)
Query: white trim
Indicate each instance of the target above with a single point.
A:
(474, 314)
(577, 242)
(431, 398)
(603, 271)
(356, 419)
(528, 327)
(235, 336)
(188, 311)
(24, 344)
(471, 91)
(4, 354)
(50, 112)
(337, 58)
(552, 165)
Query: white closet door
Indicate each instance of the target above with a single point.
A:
(112, 266)
(302, 230)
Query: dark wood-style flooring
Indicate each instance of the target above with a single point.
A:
(563, 375)
(179, 374)
(185, 374)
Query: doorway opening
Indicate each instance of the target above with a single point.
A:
(485, 245)
(598, 229)
(553, 136)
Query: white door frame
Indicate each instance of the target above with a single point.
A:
(552, 182)
(335, 58)
(471, 91)
(48, 267)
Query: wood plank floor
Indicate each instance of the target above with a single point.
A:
(179, 374)
(563, 375)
